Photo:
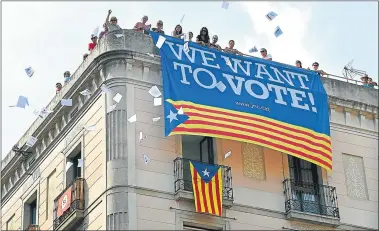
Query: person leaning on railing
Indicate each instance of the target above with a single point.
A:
(159, 28)
(203, 37)
(104, 31)
(58, 88)
(315, 66)
(93, 44)
(264, 54)
(141, 26)
(231, 48)
(370, 83)
(177, 32)
(298, 64)
(67, 76)
(214, 44)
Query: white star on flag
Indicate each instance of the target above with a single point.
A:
(206, 173)
(172, 116)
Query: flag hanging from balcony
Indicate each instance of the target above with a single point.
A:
(64, 202)
(208, 92)
(207, 187)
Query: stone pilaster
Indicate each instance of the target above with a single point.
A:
(116, 149)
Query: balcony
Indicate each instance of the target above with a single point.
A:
(183, 182)
(69, 206)
(32, 228)
(311, 202)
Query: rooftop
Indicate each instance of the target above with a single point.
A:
(346, 91)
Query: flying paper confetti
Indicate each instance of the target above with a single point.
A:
(185, 47)
(119, 35)
(228, 154)
(225, 5)
(160, 42)
(156, 119)
(90, 128)
(278, 31)
(186, 37)
(112, 107)
(68, 165)
(96, 32)
(80, 163)
(133, 118)
(254, 49)
(155, 92)
(157, 101)
(146, 159)
(42, 113)
(31, 141)
(86, 92)
(180, 111)
(66, 102)
(22, 102)
(106, 89)
(117, 97)
(29, 71)
(141, 137)
(271, 15)
(181, 20)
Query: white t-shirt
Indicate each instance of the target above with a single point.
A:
(268, 56)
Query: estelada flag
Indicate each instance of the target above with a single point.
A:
(64, 202)
(207, 187)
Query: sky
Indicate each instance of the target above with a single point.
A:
(51, 37)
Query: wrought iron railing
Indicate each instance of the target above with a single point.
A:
(311, 198)
(77, 201)
(32, 228)
(183, 177)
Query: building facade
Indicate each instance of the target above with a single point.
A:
(100, 177)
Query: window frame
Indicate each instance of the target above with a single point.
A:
(74, 152)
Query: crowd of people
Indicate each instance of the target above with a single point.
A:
(202, 38)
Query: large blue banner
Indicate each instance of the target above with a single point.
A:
(244, 98)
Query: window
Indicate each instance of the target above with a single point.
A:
(10, 223)
(30, 211)
(306, 178)
(75, 169)
(197, 148)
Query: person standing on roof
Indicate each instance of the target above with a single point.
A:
(141, 26)
(112, 24)
(159, 28)
(214, 44)
(67, 76)
(265, 55)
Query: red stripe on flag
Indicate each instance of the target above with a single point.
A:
(211, 199)
(218, 194)
(205, 201)
(257, 126)
(251, 118)
(259, 133)
(209, 131)
(196, 189)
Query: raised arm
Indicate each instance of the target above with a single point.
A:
(107, 19)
